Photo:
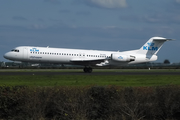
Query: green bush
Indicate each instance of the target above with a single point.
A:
(99, 102)
(90, 103)
(166, 103)
(11, 102)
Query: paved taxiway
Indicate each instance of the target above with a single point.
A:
(93, 73)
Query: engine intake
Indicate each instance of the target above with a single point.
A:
(122, 58)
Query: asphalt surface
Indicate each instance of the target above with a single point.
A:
(93, 73)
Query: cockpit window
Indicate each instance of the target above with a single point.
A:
(15, 50)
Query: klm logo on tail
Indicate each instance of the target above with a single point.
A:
(150, 46)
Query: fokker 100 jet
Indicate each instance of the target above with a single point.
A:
(87, 58)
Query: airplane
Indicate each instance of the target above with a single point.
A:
(87, 58)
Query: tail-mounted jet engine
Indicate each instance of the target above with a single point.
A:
(122, 58)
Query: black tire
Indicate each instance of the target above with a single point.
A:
(87, 70)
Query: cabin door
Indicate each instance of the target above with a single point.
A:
(25, 54)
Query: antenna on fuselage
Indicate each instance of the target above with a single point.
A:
(47, 46)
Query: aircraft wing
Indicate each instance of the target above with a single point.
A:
(87, 62)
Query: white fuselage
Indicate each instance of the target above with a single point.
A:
(87, 58)
(73, 56)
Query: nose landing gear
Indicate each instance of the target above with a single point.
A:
(87, 69)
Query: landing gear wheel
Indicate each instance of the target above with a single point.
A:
(87, 69)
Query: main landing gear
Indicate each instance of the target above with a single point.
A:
(87, 69)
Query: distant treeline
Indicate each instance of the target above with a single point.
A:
(111, 67)
(12, 65)
(90, 103)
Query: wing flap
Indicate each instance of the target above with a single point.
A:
(87, 61)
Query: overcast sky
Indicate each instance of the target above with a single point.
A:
(90, 24)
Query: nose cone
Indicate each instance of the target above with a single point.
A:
(7, 55)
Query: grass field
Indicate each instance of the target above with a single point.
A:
(89, 79)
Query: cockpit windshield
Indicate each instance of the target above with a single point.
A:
(15, 50)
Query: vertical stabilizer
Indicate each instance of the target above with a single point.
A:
(152, 46)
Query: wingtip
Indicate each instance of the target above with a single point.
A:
(170, 39)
